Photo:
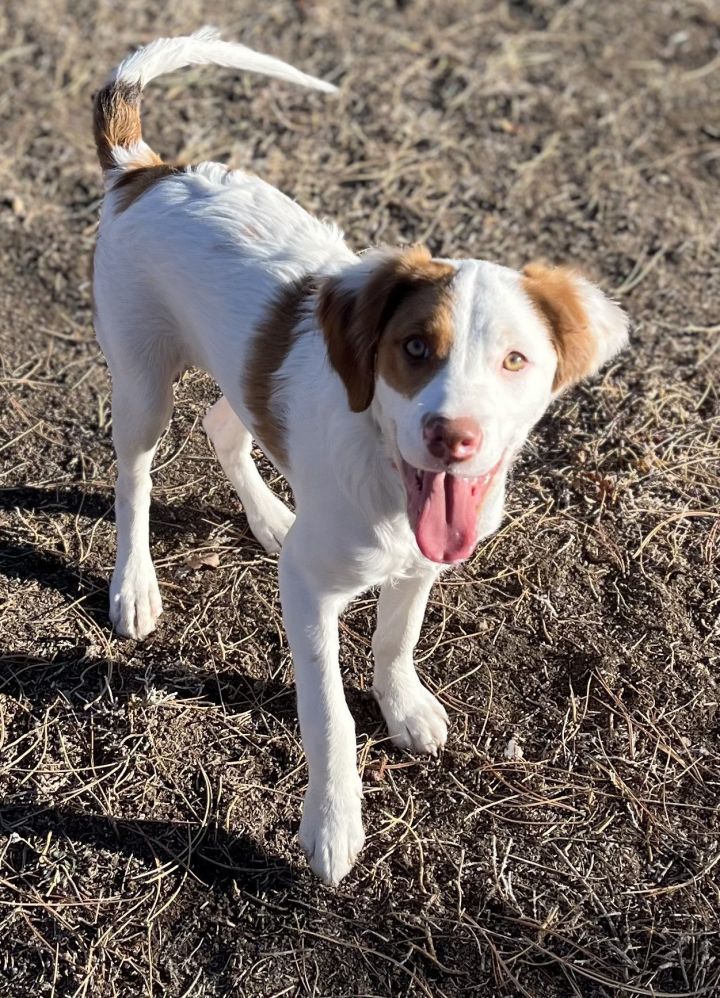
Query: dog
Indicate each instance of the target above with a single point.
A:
(392, 390)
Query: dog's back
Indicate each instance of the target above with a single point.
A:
(196, 257)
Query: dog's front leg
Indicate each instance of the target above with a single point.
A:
(416, 719)
(331, 832)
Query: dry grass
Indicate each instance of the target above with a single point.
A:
(150, 793)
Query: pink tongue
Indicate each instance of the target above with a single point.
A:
(445, 516)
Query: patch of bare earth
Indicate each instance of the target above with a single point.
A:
(150, 793)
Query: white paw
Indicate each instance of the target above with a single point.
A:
(270, 524)
(135, 603)
(416, 720)
(331, 832)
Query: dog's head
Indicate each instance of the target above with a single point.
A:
(459, 360)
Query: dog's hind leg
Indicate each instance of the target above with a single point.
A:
(141, 410)
(268, 517)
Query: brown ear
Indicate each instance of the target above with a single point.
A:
(555, 293)
(355, 307)
(585, 326)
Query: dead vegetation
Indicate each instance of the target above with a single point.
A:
(567, 841)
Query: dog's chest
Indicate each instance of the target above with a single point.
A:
(388, 550)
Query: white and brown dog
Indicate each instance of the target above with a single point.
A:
(392, 390)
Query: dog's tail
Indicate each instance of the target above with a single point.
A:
(116, 113)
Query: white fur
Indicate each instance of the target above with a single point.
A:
(204, 48)
(184, 276)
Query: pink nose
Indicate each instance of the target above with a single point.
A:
(452, 439)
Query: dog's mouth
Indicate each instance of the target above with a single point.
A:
(443, 511)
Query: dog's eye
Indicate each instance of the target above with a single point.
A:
(514, 361)
(417, 348)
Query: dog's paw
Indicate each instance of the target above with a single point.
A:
(416, 720)
(135, 603)
(271, 523)
(331, 832)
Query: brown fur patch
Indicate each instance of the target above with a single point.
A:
(555, 295)
(407, 295)
(272, 342)
(116, 121)
(427, 313)
(134, 183)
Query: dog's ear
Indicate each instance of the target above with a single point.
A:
(355, 307)
(585, 326)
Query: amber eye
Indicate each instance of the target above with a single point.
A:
(417, 348)
(514, 361)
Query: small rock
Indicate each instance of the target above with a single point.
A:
(211, 560)
(513, 750)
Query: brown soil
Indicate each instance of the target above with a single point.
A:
(151, 792)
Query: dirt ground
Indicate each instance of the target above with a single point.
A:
(150, 793)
